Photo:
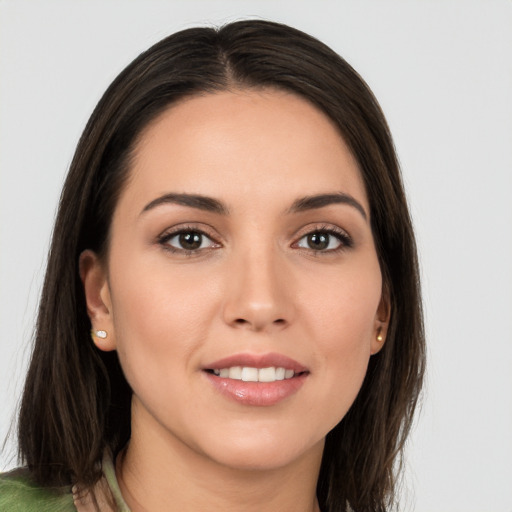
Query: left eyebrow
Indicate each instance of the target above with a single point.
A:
(322, 200)
(200, 202)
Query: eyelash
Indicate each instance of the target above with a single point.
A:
(344, 239)
(164, 239)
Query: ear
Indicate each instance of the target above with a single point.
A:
(97, 297)
(381, 322)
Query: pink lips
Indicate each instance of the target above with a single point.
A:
(257, 361)
(257, 393)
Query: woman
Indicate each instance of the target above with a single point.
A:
(234, 234)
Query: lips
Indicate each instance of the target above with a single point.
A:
(261, 380)
(251, 374)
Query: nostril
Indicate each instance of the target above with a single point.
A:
(243, 322)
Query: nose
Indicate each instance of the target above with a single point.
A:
(259, 293)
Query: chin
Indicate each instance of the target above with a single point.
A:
(257, 454)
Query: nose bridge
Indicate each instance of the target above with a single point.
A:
(256, 293)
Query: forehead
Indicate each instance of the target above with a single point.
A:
(257, 144)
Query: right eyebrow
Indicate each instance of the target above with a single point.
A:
(200, 202)
(322, 200)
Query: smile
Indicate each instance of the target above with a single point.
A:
(256, 379)
(251, 374)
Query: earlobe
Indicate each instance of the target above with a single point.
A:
(381, 323)
(378, 341)
(97, 297)
(99, 338)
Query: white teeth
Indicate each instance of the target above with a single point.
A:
(267, 374)
(235, 372)
(249, 374)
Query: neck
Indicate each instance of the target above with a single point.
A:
(165, 474)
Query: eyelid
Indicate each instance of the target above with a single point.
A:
(346, 241)
(174, 231)
(344, 238)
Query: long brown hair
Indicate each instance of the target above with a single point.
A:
(76, 401)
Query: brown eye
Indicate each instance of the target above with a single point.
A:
(190, 241)
(325, 241)
(318, 241)
(187, 241)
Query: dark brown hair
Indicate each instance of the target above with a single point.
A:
(76, 401)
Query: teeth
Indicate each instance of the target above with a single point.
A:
(267, 374)
(235, 372)
(249, 374)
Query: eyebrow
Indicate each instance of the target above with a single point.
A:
(322, 200)
(191, 200)
(210, 204)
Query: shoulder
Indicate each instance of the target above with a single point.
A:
(18, 493)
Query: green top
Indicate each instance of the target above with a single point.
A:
(19, 493)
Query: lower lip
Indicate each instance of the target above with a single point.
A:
(257, 393)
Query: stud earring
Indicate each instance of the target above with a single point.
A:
(379, 337)
(98, 334)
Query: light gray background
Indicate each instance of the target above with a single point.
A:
(442, 71)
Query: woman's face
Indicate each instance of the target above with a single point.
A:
(242, 289)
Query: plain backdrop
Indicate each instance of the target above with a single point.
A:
(442, 71)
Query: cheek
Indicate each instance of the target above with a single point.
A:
(343, 312)
(342, 321)
(160, 316)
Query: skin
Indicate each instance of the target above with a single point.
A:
(255, 286)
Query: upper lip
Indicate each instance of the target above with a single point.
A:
(257, 361)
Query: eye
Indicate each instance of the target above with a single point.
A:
(324, 241)
(187, 240)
